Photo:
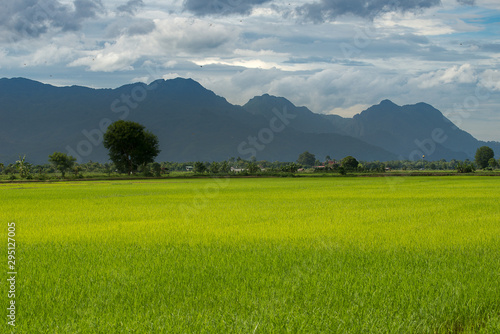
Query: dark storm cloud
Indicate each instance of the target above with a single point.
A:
(221, 7)
(326, 10)
(32, 18)
(131, 6)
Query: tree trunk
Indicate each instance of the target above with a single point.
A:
(130, 166)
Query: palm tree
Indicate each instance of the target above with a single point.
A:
(23, 166)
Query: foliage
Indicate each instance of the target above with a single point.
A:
(349, 163)
(23, 167)
(253, 168)
(291, 168)
(493, 163)
(465, 167)
(306, 159)
(130, 145)
(156, 169)
(225, 167)
(62, 161)
(108, 169)
(93, 169)
(214, 167)
(483, 155)
(77, 170)
(199, 167)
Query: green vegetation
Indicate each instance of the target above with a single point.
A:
(492, 163)
(465, 167)
(307, 159)
(23, 167)
(62, 162)
(268, 255)
(235, 166)
(349, 163)
(483, 156)
(130, 145)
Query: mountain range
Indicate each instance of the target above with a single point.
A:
(194, 124)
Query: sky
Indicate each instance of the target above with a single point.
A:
(332, 56)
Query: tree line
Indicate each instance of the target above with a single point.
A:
(133, 149)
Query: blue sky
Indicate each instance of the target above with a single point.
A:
(333, 56)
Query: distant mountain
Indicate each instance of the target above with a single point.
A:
(409, 131)
(193, 123)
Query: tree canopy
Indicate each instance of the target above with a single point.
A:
(349, 163)
(306, 159)
(62, 162)
(483, 156)
(130, 145)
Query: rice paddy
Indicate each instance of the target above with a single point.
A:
(271, 255)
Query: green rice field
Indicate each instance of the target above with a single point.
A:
(255, 255)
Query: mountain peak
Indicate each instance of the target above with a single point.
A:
(17, 82)
(387, 102)
(271, 100)
(195, 123)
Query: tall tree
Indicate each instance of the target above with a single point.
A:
(253, 168)
(306, 159)
(200, 167)
(62, 162)
(349, 163)
(224, 167)
(493, 163)
(483, 156)
(130, 145)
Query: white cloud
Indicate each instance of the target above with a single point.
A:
(490, 79)
(171, 76)
(349, 111)
(191, 36)
(114, 57)
(169, 38)
(453, 75)
(414, 24)
(140, 79)
(50, 54)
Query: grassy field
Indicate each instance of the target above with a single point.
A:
(299, 255)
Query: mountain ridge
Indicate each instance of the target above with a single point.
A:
(194, 123)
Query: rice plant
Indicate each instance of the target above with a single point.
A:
(300, 255)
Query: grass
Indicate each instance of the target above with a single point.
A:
(306, 255)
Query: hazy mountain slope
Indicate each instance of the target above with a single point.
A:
(412, 130)
(191, 122)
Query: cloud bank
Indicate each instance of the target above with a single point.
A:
(32, 18)
(221, 7)
(131, 7)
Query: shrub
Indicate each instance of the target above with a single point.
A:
(200, 167)
(464, 167)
